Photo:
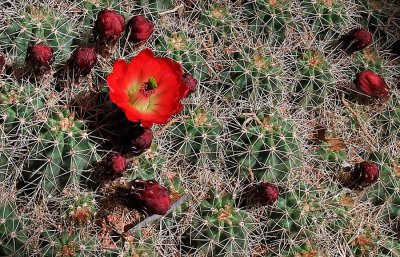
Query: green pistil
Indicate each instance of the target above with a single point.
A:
(152, 84)
(148, 87)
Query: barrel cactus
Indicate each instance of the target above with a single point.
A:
(264, 147)
(315, 78)
(200, 136)
(272, 18)
(222, 228)
(13, 229)
(325, 17)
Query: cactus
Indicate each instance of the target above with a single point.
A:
(39, 24)
(265, 147)
(390, 248)
(378, 16)
(315, 78)
(179, 46)
(66, 244)
(297, 212)
(148, 165)
(326, 18)
(58, 146)
(303, 250)
(174, 184)
(272, 17)
(216, 20)
(389, 120)
(368, 59)
(366, 239)
(13, 230)
(199, 136)
(332, 153)
(222, 228)
(297, 215)
(143, 245)
(82, 208)
(254, 75)
(156, 6)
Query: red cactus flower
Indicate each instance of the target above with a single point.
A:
(140, 29)
(190, 81)
(365, 173)
(372, 85)
(148, 89)
(355, 40)
(83, 60)
(40, 56)
(109, 25)
(118, 163)
(267, 193)
(151, 196)
(143, 142)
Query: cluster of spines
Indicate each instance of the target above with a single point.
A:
(221, 228)
(389, 121)
(273, 18)
(325, 18)
(385, 193)
(254, 75)
(13, 229)
(199, 136)
(315, 78)
(331, 153)
(265, 147)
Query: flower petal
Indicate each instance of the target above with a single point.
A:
(120, 67)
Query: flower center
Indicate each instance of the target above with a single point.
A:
(148, 87)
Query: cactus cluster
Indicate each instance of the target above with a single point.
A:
(31, 24)
(199, 128)
(56, 147)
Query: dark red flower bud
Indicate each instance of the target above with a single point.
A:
(83, 60)
(40, 57)
(2, 63)
(365, 173)
(143, 142)
(355, 40)
(117, 163)
(190, 81)
(140, 29)
(151, 196)
(109, 25)
(266, 193)
(372, 85)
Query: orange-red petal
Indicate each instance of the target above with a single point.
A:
(149, 107)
